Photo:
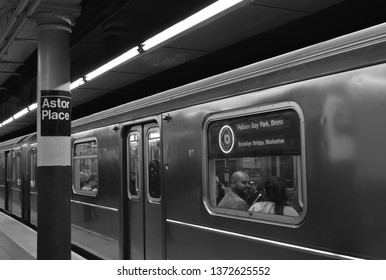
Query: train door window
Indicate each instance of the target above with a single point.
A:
(16, 168)
(153, 162)
(254, 164)
(8, 166)
(2, 168)
(85, 167)
(2, 178)
(32, 163)
(134, 164)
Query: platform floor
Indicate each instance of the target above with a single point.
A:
(19, 242)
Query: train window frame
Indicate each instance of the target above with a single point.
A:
(15, 167)
(139, 174)
(32, 165)
(18, 166)
(74, 158)
(209, 178)
(152, 128)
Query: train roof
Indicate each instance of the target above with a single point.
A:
(18, 141)
(182, 96)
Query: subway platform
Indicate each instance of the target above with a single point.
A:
(18, 241)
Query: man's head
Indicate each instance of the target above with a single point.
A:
(240, 183)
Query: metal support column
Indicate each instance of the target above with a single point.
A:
(54, 138)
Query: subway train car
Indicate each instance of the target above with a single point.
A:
(149, 176)
(94, 210)
(16, 196)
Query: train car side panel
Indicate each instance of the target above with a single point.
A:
(31, 182)
(96, 187)
(343, 127)
(209, 243)
(16, 182)
(2, 180)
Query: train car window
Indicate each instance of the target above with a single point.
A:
(254, 162)
(85, 167)
(153, 163)
(134, 163)
(32, 167)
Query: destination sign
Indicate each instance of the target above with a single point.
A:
(268, 134)
(55, 114)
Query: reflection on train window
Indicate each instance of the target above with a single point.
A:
(85, 167)
(32, 167)
(153, 163)
(133, 164)
(254, 164)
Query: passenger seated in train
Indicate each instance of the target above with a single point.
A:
(88, 181)
(154, 179)
(276, 199)
(220, 190)
(236, 197)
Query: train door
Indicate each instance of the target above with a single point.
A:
(16, 183)
(8, 181)
(143, 235)
(2, 180)
(31, 183)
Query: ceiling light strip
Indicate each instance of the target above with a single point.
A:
(113, 63)
(7, 121)
(21, 113)
(32, 107)
(189, 22)
(202, 15)
(193, 20)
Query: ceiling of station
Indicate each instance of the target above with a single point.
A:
(252, 31)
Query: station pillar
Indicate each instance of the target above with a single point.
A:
(54, 135)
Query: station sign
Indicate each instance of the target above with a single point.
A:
(267, 134)
(55, 113)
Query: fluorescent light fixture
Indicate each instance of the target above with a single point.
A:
(189, 22)
(77, 83)
(113, 63)
(32, 107)
(7, 121)
(174, 30)
(20, 114)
